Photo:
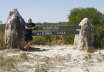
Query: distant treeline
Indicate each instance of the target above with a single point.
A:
(2, 28)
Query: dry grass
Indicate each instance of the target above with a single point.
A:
(7, 63)
(23, 56)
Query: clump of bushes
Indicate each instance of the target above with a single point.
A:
(2, 29)
(8, 63)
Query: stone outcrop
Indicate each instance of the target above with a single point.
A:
(14, 30)
(84, 40)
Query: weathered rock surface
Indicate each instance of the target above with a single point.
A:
(84, 40)
(14, 30)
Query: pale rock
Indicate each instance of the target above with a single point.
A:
(84, 40)
(14, 30)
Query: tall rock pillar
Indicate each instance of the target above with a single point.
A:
(14, 30)
(84, 40)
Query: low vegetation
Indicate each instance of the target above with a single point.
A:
(2, 27)
(23, 56)
(8, 63)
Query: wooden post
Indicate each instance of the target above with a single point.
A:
(14, 30)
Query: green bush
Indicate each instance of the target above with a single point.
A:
(39, 40)
(97, 19)
(2, 28)
(68, 39)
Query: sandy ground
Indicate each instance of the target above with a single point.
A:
(62, 58)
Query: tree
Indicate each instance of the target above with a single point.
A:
(96, 17)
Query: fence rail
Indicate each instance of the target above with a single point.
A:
(55, 30)
(57, 27)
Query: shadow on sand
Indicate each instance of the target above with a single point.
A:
(34, 49)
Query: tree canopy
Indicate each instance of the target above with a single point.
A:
(96, 17)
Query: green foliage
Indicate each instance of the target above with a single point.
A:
(78, 14)
(39, 40)
(2, 28)
(97, 19)
(24, 56)
(68, 39)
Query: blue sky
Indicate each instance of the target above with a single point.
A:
(46, 10)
